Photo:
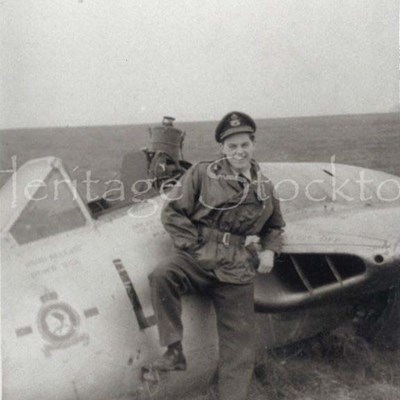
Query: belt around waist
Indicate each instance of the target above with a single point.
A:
(226, 238)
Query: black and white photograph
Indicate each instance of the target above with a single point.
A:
(200, 200)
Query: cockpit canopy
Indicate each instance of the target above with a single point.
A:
(42, 201)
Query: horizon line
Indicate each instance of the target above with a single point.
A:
(197, 121)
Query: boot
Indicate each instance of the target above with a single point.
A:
(172, 360)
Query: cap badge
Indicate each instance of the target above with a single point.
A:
(235, 121)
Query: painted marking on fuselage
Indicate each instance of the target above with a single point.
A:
(143, 321)
(328, 172)
(91, 312)
(326, 239)
(55, 266)
(45, 271)
(26, 330)
(148, 227)
(65, 252)
(36, 261)
(49, 296)
(59, 324)
(54, 256)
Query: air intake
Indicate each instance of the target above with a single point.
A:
(308, 272)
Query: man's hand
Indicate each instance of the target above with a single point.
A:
(266, 261)
(266, 257)
(273, 240)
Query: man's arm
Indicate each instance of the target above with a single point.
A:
(177, 211)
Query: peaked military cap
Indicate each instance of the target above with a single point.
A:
(167, 120)
(234, 122)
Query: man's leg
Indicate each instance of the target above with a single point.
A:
(179, 275)
(234, 306)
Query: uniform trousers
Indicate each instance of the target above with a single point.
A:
(234, 307)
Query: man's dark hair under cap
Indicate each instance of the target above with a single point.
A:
(232, 123)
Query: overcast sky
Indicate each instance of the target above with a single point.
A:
(105, 62)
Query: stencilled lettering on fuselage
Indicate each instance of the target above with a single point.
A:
(148, 226)
(60, 254)
(46, 264)
(336, 240)
(65, 252)
(36, 261)
(66, 264)
(44, 271)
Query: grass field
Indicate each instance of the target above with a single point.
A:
(336, 366)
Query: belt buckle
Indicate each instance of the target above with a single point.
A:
(226, 238)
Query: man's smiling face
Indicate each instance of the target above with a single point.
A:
(238, 149)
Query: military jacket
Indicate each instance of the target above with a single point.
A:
(210, 195)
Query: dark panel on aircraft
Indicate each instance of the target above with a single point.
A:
(91, 312)
(142, 320)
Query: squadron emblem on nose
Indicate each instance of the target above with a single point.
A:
(59, 324)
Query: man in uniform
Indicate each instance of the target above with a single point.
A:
(212, 210)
